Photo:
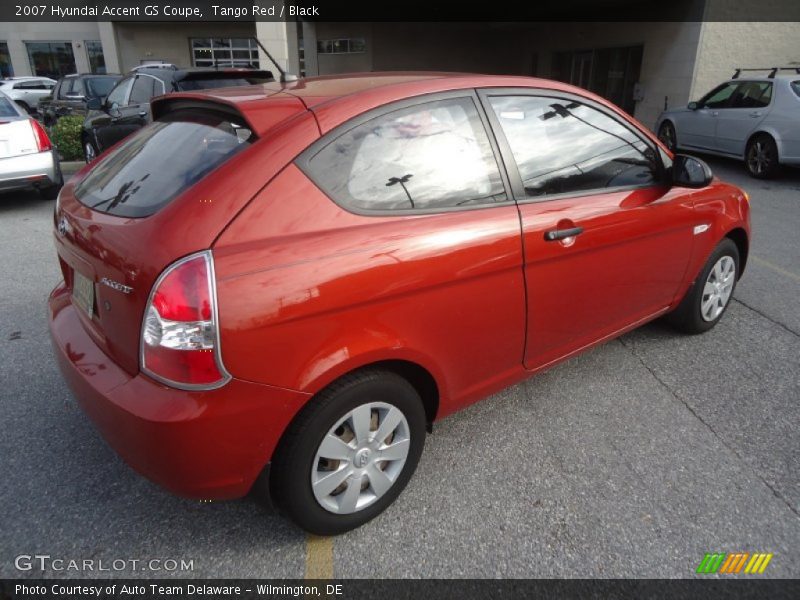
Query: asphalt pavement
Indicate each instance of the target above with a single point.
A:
(632, 460)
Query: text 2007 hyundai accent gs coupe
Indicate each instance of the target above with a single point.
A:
(281, 286)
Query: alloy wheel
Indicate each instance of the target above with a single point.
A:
(759, 159)
(360, 458)
(718, 288)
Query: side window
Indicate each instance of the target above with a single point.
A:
(563, 146)
(77, 88)
(142, 90)
(752, 94)
(428, 156)
(119, 93)
(66, 86)
(796, 88)
(719, 96)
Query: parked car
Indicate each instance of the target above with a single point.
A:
(28, 159)
(756, 119)
(73, 92)
(27, 91)
(127, 107)
(280, 287)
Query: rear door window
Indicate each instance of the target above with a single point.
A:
(149, 169)
(435, 155)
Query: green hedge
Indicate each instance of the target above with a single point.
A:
(66, 135)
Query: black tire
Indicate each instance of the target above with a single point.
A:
(761, 157)
(291, 469)
(688, 316)
(666, 133)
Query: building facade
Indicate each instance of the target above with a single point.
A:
(642, 67)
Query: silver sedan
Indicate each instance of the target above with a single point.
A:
(756, 119)
(28, 158)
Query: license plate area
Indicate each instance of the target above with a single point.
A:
(83, 293)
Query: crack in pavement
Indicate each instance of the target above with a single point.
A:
(768, 318)
(675, 395)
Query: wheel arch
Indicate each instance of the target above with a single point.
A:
(762, 131)
(739, 237)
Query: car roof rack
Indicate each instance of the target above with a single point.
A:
(772, 71)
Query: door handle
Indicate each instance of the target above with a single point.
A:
(560, 234)
(755, 113)
(142, 113)
(715, 113)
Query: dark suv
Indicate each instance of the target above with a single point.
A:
(72, 92)
(127, 106)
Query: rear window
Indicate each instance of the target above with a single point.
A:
(7, 109)
(149, 169)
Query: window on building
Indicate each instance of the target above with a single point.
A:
(6, 70)
(609, 72)
(224, 52)
(97, 62)
(51, 59)
(430, 156)
(563, 146)
(341, 46)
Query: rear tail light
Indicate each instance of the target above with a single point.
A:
(42, 140)
(180, 332)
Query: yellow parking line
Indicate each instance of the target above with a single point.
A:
(319, 557)
(776, 268)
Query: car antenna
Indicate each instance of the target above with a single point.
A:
(285, 77)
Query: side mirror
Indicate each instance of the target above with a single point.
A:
(690, 172)
(113, 109)
(94, 104)
(693, 106)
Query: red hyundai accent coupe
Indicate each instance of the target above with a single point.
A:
(280, 287)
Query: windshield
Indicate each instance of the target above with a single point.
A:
(149, 169)
(98, 87)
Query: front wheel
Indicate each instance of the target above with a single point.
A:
(711, 293)
(350, 452)
(666, 133)
(89, 151)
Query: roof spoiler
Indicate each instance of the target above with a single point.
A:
(772, 71)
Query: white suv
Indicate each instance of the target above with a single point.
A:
(27, 91)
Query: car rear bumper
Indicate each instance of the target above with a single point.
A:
(209, 445)
(41, 169)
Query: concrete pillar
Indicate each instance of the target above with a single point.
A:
(20, 61)
(280, 39)
(108, 38)
(310, 46)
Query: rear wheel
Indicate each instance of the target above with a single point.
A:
(666, 133)
(349, 453)
(711, 293)
(761, 157)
